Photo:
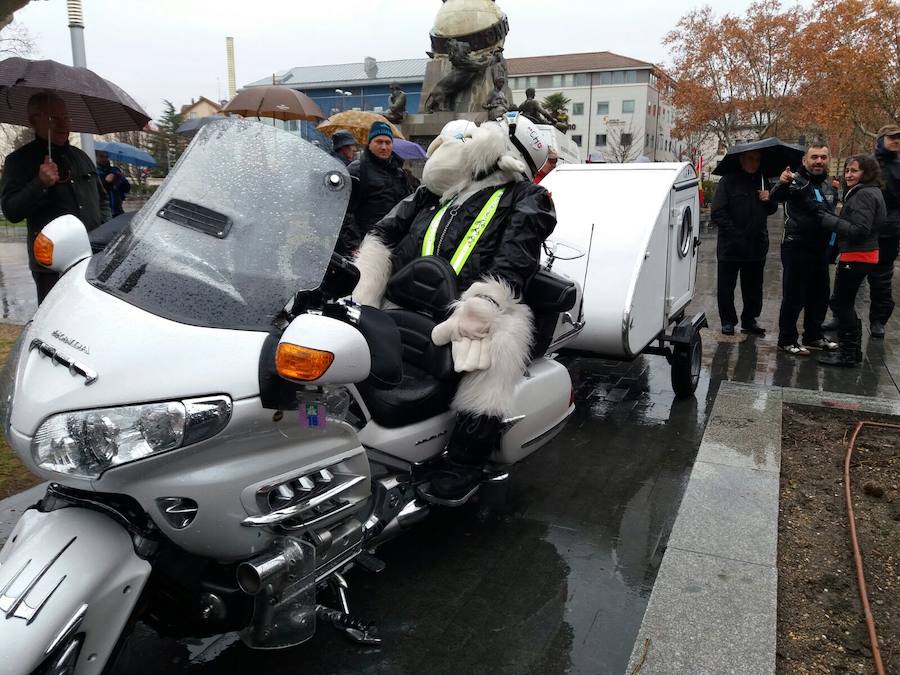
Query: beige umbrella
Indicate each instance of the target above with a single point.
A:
(357, 122)
(280, 103)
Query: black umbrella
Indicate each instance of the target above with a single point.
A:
(775, 155)
(193, 125)
(96, 106)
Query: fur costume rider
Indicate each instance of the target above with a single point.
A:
(478, 209)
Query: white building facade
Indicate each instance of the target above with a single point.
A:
(619, 109)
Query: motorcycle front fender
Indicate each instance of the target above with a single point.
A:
(67, 576)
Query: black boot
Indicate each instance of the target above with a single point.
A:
(876, 329)
(474, 438)
(849, 351)
(830, 325)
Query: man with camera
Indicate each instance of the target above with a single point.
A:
(804, 251)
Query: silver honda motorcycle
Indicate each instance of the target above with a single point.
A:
(224, 433)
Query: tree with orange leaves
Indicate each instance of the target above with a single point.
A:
(834, 71)
(853, 70)
(736, 76)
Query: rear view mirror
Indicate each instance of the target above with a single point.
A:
(62, 243)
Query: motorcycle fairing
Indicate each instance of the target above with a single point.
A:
(69, 569)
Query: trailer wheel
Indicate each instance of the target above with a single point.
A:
(685, 366)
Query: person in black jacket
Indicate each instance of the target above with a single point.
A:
(478, 210)
(887, 152)
(804, 251)
(857, 238)
(42, 182)
(379, 183)
(739, 211)
(343, 147)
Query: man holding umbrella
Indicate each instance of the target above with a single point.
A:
(48, 178)
(739, 211)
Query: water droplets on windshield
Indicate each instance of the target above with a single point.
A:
(286, 210)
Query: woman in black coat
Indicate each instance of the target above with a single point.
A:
(739, 211)
(857, 230)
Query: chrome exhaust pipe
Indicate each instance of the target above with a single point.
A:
(254, 575)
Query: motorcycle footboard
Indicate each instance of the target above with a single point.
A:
(69, 581)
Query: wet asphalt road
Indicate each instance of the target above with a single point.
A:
(555, 577)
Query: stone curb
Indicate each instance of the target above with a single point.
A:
(714, 603)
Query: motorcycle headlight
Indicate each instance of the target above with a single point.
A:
(88, 442)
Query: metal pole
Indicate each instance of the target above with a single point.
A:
(588, 141)
(656, 133)
(79, 60)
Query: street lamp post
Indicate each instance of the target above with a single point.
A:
(341, 92)
(79, 60)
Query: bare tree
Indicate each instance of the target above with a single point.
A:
(694, 140)
(623, 144)
(15, 40)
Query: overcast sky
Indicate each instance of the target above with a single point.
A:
(175, 49)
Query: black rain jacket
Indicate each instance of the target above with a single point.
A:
(740, 218)
(510, 247)
(860, 220)
(890, 174)
(378, 185)
(79, 193)
(801, 217)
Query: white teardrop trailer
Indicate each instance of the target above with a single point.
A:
(629, 234)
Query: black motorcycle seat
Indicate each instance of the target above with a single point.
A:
(418, 397)
(385, 347)
(426, 284)
(429, 380)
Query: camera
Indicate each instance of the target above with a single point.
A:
(799, 183)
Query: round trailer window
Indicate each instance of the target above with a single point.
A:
(685, 233)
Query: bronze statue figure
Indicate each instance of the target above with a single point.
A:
(534, 110)
(497, 104)
(397, 111)
(465, 67)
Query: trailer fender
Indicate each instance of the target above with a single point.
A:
(687, 328)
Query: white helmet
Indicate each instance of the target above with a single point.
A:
(527, 139)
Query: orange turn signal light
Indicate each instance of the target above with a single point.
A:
(301, 363)
(43, 250)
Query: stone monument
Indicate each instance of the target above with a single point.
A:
(466, 44)
(466, 77)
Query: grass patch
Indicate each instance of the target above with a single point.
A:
(14, 477)
(4, 223)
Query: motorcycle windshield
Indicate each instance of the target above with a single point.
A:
(248, 217)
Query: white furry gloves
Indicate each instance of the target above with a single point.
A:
(469, 331)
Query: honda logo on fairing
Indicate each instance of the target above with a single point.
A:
(431, 438)
(72, 342)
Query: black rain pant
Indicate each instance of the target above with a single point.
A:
(805, 287)
(850, 276)
(881, 303)
(751, 273)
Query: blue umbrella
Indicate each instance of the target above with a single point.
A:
(128, 154)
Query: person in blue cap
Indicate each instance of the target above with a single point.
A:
(379, 184)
